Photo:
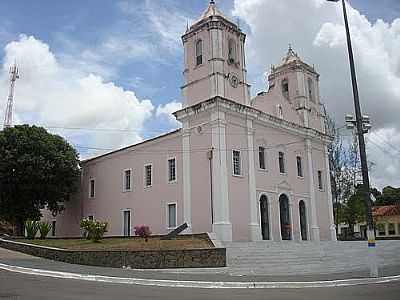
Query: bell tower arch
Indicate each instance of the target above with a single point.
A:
(215, 62)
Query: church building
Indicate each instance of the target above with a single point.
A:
(246, 169)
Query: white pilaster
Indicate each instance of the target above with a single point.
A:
(187, 192)
(254, 225)
(332, 229)
(314, 222)
(222, 225)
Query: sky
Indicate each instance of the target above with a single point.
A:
(106, 74)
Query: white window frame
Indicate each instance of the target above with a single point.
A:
(284, 163)
(320, 182)
(145, 176)
(176, 169)
(265, 159)
(124, 189)
(123, 223)
(240, 164)
(92, 179)
(301, 165)
(195, 52)
(91, 215)
(176, 214)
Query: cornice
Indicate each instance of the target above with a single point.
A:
(232, 107)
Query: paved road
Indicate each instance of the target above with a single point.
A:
(16, 286)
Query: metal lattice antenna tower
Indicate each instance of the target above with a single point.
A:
(9, 109)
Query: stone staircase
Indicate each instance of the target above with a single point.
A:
(291, 257)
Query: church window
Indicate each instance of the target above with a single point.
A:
(92, 186)
(148, 176)
(237, 164)
(279, 111)
(320, 184)
(299, 166)
(281, 160)
(231, 51)
(199, 52)
(285, 88)
(261, 158)
(311, 90)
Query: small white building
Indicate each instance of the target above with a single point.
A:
(245, 169)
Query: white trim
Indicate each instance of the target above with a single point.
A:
(123, 221)
(124, 190)
(176, 170)
(240, 166)
(186, 176)
(90, 187)
(145, 175)
(176, 215)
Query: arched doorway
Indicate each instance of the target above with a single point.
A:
(264, 217)
(303, 220)
(284, 211)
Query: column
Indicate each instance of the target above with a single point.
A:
(187, 192)
(314, 222)
(254, 225)
(222, 225)
(332, 228)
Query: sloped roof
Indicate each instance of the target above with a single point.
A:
(387, 210)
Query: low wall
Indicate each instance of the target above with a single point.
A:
(159, 259)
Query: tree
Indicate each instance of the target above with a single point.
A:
(389, 196)
(37, 170)
(353, 210)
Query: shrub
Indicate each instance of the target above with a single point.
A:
(94, 229)
(31, 228)
(44, 229)
(143, 231)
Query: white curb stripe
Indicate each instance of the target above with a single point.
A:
(200, 284)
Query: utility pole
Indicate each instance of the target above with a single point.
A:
(9, 108)
(363, 156)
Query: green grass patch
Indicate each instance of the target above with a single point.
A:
(123, 244)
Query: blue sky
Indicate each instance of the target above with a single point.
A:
(134, 46)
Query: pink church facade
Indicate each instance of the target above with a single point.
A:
(245, 169)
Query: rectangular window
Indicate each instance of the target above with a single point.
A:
(148, 178)
(299, 166)
(53, 228)
(381, 229)
(127, 223)
(171, 169)
(236, 163)
(261, 158)
(282, 163)
(320, 185)
(127, 180)
(90, 218)
(172, 215)
(391, 229)
(92, 187)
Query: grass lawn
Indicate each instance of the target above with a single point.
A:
(123, 244)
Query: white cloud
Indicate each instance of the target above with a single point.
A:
(54, 94)
(315, 29)
(165, 111)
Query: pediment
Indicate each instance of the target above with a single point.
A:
(284, 185)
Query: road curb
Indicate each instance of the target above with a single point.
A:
(201, 284)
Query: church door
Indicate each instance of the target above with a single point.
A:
(286, 227)
(264, 217)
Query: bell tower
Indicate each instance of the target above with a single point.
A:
(215, 62)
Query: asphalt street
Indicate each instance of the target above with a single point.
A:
(15, 286)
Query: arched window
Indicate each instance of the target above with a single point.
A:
(264, 214)
(284, 212)
(285, 88)
(232, 51)
(303, 220)
(311, 90)
(199, 52)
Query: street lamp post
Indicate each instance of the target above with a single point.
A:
(363, 156)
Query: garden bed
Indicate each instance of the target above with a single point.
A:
(183, 252)
(124, 244)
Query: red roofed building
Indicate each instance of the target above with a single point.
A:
(387, 220)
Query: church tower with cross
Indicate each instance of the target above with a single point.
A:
(214, 59)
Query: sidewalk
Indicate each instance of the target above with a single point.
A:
(11, 258)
